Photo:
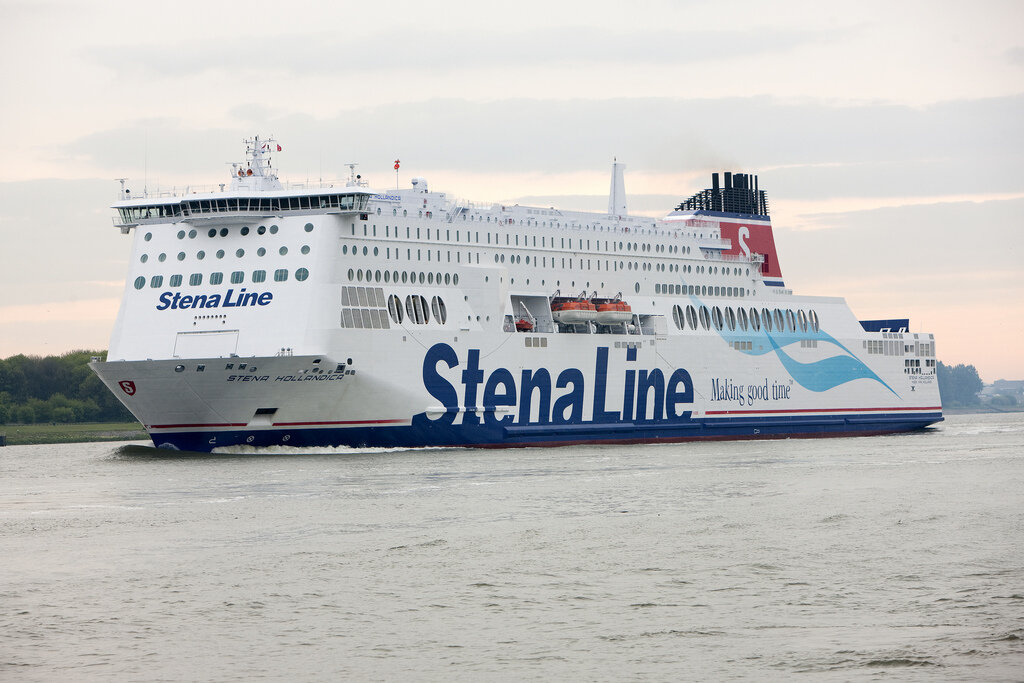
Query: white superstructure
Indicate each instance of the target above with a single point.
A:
(337, 315)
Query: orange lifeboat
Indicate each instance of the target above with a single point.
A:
(572, 311)
(524, 325)
(612, 311)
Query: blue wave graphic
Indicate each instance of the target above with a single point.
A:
(818, 376)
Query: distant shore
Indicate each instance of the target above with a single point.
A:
(32, 434)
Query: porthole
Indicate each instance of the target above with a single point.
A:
(273, 229)
(440, 312)
(422, 278)
(351, 274)
(305, 249)
(344, 249)
(716, 317)
(430, 278)
(245, 230)
(261, 252)
(455, 279)
(148, 236)
(377, 276)
(417, 310)
(212, 232)
(405, 276)
(375, 251)
(240, 253)
(192, 234)
(365, 251)
(200, 255)
(301, 274)
(261, 230)
(144, 258)
(220, 253)
(755, 320)
(447, 278)
(394, 306)
(678, 317)
(359, 275)
(181, 256)
(308, 227)
(223, 232)
(387, 276)
(636, 287)
(181, 234)
(140, 282)
(283, 251)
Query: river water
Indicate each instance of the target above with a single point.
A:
(877, 558)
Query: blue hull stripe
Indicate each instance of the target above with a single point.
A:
(423, 432)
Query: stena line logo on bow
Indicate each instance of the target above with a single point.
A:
(231, 299)
(617, 392)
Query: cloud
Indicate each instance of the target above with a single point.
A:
(811, 149)
(404, 47)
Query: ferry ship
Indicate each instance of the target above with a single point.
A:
(341, 315)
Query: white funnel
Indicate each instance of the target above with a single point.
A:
(617, 194)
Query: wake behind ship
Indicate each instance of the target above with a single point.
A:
(345, 316)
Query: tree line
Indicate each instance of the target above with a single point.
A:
(36, 389)
(958, 385)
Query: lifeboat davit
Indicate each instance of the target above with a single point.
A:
(612, 311)
(573, 311)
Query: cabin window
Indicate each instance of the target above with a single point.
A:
(237, 277)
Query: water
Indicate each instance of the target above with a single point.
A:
(880, 558)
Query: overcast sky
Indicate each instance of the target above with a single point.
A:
(888, 135)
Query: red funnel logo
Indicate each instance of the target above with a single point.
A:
(127, 386)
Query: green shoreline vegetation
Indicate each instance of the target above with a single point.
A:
(28, 435)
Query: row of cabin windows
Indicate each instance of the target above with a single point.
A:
(513, 240)
(240, 253)
(739, 318)
(237, 277)
(224, 232)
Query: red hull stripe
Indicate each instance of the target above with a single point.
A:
(340, 422)
(816, 410)
(277, 424)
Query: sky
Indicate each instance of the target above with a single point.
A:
(889, 136)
